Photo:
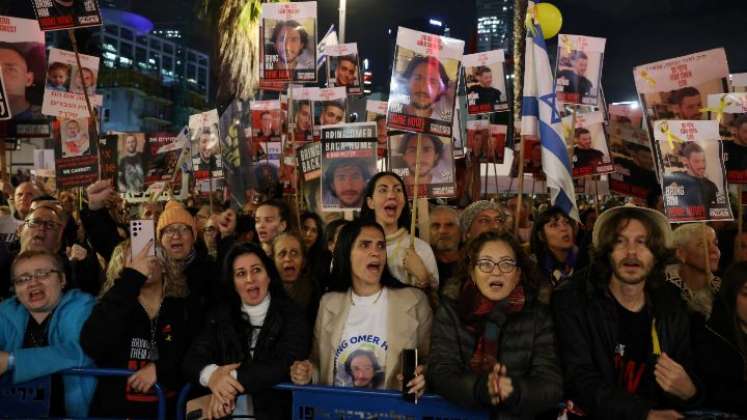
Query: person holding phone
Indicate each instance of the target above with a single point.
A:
(494, 347)
(366, 320)
(140, 322)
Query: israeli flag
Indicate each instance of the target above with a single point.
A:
(540, 117)
(330, 38)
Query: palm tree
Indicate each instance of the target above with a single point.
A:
(236, 23)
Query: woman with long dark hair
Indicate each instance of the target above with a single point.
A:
(721, 344)
(494, 347)
(386, 204)
(317, 255)
(250, 341)
(366, 320)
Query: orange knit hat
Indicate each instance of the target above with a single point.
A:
(175, 213)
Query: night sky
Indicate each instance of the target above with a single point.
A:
(637, 31)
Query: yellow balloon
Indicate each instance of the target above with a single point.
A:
(549, 18)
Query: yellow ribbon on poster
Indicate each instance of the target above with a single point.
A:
(529, 20)
(655, 339)
(647, 77)
(567, 44)
(722, 104)
(671, 138)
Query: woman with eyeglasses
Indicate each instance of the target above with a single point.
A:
(249, 342)
(366, 320)
(494, 347)
(141, 322)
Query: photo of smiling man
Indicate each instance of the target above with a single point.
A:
(436, 168)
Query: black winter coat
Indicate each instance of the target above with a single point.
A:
(283, 339)
(118, 334)
(526, 346)
(586, 321)
(719, 361)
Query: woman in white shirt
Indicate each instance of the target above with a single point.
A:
(367, 319)
(387, 205)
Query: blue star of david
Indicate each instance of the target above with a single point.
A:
(549, 99)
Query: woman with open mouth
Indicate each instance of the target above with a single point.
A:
(249, 342)
(290, 255)
(367, 313)
(553, 244)
(386, 204)
(494, 347)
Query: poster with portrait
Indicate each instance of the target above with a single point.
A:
(733, 131)
(376, 112)
(579, 69)
(532, 157)
(288, 42)
(76, 157)
(310, 160)
(694, 185)
(267, 122)
(301, 111)
(204, 138)
(331, 104)
(633, 159)
(436, 169)
(478, 137)
(67, 14)
(360, 363)
(63, 89)
(497, 147)
(163, 151)
(590, 154)
(485, 81)
(345, 67)
(348, 163)
(628, 113)
(425, 76)
(677, 88)
(23, 69)
(131, 162)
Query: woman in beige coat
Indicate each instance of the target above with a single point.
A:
(367, 319)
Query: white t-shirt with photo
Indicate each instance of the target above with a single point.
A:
(360, 356)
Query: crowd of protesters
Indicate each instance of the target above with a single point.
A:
(514, 308)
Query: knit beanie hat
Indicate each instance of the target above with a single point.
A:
(470, 213)
(175, 213)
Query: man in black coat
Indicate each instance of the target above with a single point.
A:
(624, 335)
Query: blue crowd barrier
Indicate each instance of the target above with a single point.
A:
(328, 402)
(31, 399)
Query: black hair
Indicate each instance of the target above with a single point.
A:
(579, 131)
(437, 143)
(293, 25)
(13, 47)
(244, 224)
(429, 60)
(690, 148)
(368, 214)
(228, 289)
(283, 210)
(678, 95)
(331, 230)
(341, 278)
(537, 241)
(338, 104)
(349, 58)
(329, 172)
(318, 246)
(482, 69)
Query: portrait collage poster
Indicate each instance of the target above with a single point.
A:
(205, 146)
(23, 37)
(694, 186)
(301, 112)
(288, 42)
(376, 112)
(591, 155)
(345, 67)
(67, 14)
(266, 122)
(348, 163)
(425, 75)
(633, 159)
(485, 82)
(436, 169)
(733, 130)
(131, 162)
(76, 157)
(578, 71)
(63, 90)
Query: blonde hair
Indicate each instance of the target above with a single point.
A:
(174, 285)
(688, 233)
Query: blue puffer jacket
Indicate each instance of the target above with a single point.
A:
(63, 352)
